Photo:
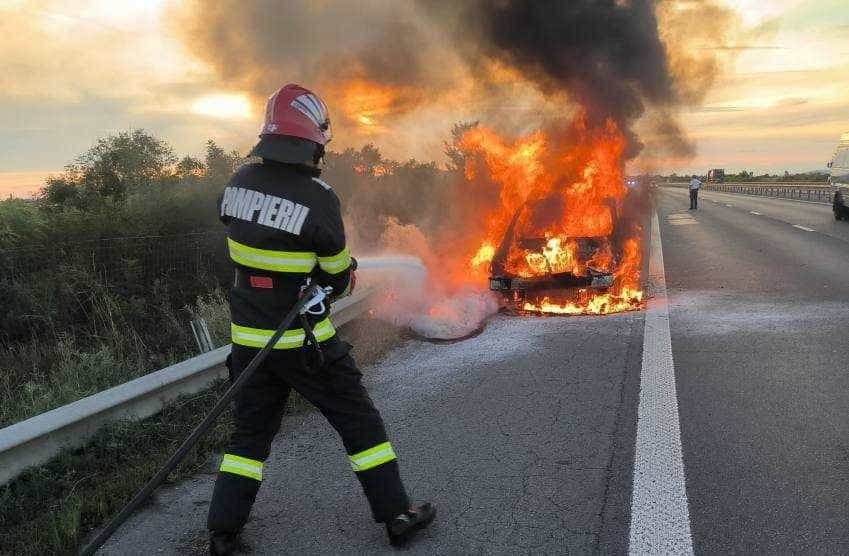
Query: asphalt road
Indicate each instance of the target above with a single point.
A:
(537, 437)
(513, 434)
(816, 216)
(759, 313)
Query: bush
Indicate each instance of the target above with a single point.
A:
(104, 270)
(50, 509)
(132, 339)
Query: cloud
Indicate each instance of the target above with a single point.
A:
(52, 49)
(743, 47)
(38, 135)
(720, 109)
(74, 70)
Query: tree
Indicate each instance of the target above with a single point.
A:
(115, 165)
(189, 168)
(60, 191)
(456, 157)
(366, 162)
(125, 160)
(220, 164)
(744, 176)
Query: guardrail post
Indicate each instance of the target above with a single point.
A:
(201, 333)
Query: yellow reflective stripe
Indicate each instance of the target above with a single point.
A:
(380, 454)
(336, 263)
(267, 259)
(245, 467)
(291, 339)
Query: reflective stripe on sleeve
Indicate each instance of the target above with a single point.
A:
(267, 259)
(380, 454)
(237, 465)
(336, 263)
(291, 339)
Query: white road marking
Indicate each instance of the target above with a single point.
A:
(660, 517)
(803, 228)
(756, 213)
(729, 206)
(681, 219)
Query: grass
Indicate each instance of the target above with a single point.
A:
(51, 509)
(46, 373)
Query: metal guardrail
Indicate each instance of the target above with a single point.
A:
(813, 192)
(818, 193)
(36, 440)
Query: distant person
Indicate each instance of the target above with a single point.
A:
(695, 184)
(284, 231)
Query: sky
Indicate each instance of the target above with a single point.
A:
(72, 71)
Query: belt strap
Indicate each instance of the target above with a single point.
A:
(314, 355)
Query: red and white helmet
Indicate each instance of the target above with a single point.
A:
(296, 125)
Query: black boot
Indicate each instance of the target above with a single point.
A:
(403, 527)
(223, 543)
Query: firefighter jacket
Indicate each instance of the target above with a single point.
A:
(284, 228)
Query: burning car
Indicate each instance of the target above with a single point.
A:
(556, 229)
(529, 266)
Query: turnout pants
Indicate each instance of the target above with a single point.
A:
(336, 390)
(694, 198)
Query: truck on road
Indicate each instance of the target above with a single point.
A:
(717, 175)
(839, 178)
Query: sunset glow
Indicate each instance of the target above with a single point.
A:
(223, 106)
(779, 101)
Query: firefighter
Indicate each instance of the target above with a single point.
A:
(284, 230)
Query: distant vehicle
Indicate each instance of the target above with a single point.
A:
(638, 182)
(717, 175)
(839, 178)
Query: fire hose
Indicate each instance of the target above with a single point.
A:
(313, 296)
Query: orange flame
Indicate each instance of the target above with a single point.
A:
(602, 304)
(564, 192)
(484, 255)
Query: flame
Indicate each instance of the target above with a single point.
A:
(557, 256)
(560, 194)
(626, 300)
(484, 255)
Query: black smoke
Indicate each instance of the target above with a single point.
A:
(606, 54)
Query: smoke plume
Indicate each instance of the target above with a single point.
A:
(560, 89)
(390, 67)
(605, 54)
